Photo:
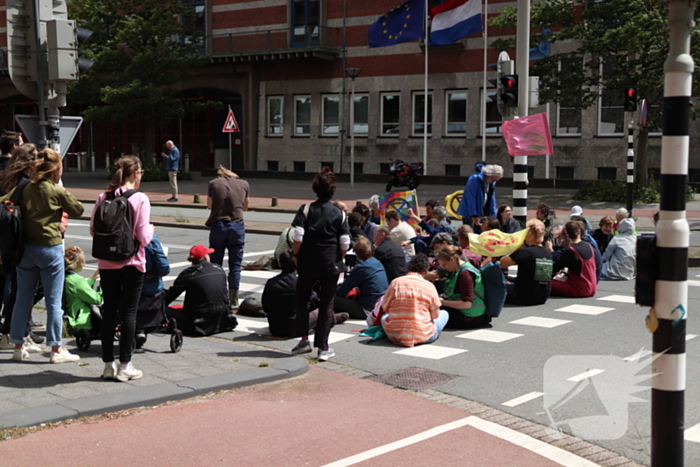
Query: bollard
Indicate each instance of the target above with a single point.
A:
(107, 161)
(196, 199)
(187, 162)
(79, 155)
(92, 161)
(274, 203)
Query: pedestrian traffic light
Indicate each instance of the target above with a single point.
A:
(630, 99)
(510, 90)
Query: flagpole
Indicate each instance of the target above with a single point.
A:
(483, 96)
(425, 98)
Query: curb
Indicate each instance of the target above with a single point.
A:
(286, 366)
(201, 227)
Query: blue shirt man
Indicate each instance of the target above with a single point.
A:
(172, 163)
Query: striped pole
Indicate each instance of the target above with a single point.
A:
(671, 304)
(520, 189)
(522, 62)
(630, 167)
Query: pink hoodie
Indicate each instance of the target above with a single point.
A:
(143, 231)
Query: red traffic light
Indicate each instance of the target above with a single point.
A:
(631, 92)
(630, 101)
(509, 83)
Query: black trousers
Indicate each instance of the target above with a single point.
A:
(459, 321)
(326, 295)
(121, 289)
(351, 307)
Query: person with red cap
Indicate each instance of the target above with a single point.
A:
(206, 309)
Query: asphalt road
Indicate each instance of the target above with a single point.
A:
(520, 366)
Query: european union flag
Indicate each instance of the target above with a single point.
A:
(404, 23)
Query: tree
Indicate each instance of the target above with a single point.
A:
(629, 37)
(142, 49)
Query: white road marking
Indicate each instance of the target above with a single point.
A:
(638, 356)
(259, 274)
(488, 335)
(693, 434)
(690, 336)
(585, 309)
(618, 298)
(543, 449)
(251, 323)
(540, 322)
(431, 351)
(334, 337)
(522, 399)
(585, 375)
(694, 283)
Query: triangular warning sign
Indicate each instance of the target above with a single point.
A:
(231, 125)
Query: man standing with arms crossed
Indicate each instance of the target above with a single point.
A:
(172, 162)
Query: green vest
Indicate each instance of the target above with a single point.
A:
(478, 307)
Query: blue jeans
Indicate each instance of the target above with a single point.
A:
(45, 262)
(227, 235)
(440, 323)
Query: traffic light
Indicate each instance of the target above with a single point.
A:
(630, 99)
(510, 90)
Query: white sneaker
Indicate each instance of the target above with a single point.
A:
(110, 371)
(20, 354)
(63, 356)
(125, 374)
(324, 355)
(31, 346)
(5, 343)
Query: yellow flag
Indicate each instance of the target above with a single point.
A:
(496, 243)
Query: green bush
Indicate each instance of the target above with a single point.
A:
(155, 172)
(616, 191)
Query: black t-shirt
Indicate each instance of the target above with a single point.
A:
(392, 258)
(279, 300)
(532, 285)
(320, 249)
(602, 239)
(568, 258)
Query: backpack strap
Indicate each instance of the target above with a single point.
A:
(471, 268)
(129, 193)
(17, 194)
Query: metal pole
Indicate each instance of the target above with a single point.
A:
(483, 96)
(673, 235)
(352, 136)
(343, 95)
(230, 148)
(42, 143)
(630, 167)
(523, 70)
(425, 98)
(546, 168)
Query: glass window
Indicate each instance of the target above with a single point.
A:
(384, 168)
(611, 112)
(273, 166)
(419, 113)
(360, 114)
(299, 166)
(452, 170)
(607, 173)
(359, 167)
(305, 22)
(565, 173)
(327, 164)
(493, 117)
(391, 108)
(275, 115)
(302, 115)
(568, 116)
(331, 112)
(456, 113)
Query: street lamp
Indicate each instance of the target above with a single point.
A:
(352, 73)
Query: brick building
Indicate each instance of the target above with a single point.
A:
(279, 64)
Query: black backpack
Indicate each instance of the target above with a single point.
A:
(11, 229)
(113, 228)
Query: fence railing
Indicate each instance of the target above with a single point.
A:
(274, 40)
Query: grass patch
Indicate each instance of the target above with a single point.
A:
(180, 219)
(264, 364)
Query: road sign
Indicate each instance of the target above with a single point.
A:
(35, 133)
(231, 125)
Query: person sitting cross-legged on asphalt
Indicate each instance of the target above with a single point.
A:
(620, 260)
(412, 307)
(579, 261)
(604, 234)
(280, 303)
(368, 277)
(389, 254)
(400, 231)
(206, 309)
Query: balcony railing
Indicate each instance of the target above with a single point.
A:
(292, 42)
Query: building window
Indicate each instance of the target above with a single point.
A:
(565, 173)
(569, 108)
(452, 170)
(299, 166)
(419, 113)
(384, 168)
(611, 113)
(359, 167)
(327, 164)
(306, 16)
(275, 115)
(360, 114)
(607, 173)
(493, 117)
(456, 113)
(302, 115)
(530, 172)
(331, 113)
(273, 166)
(391, 108)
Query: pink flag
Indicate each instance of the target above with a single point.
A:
(528, 136)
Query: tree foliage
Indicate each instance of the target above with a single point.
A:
(141, 49)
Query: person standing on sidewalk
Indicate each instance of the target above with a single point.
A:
(321, 239)
(172, 164)
(227, 197)
(43, 204)
(122, 281)
(9, 141)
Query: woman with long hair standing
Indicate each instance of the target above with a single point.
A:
(122, 280)
(43, 204)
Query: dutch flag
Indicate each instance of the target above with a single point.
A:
(453, 20)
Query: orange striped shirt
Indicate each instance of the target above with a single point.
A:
(408, 301)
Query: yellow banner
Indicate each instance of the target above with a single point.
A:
(496, 243)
